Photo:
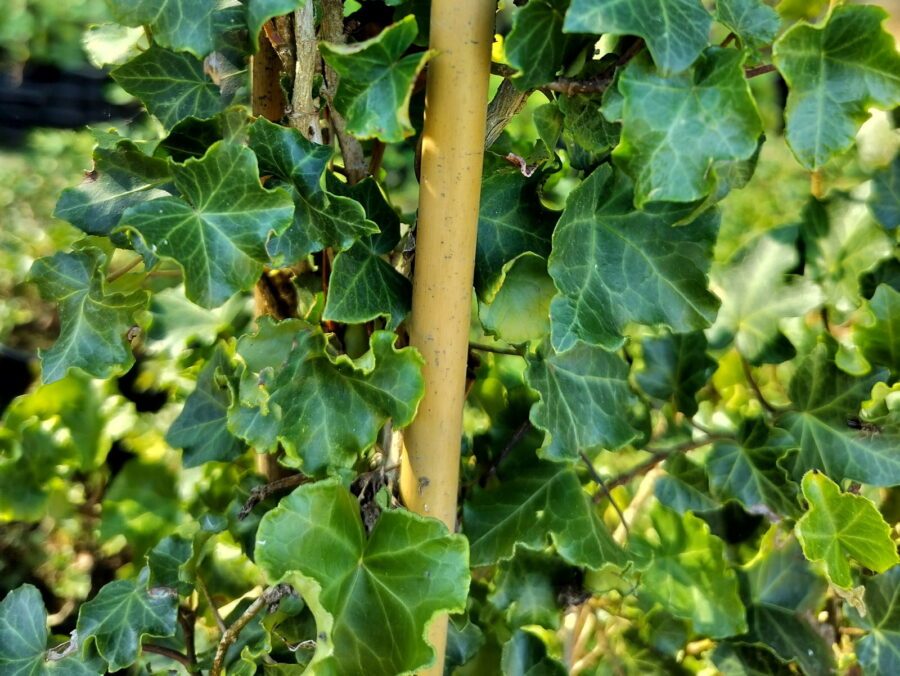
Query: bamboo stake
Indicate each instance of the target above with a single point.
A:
(450, 187)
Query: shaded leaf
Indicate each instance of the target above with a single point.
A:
(536, 45)
(377, 80)
(879, 341)
(528, 586)
(835, 71)
(684, 487)
(217, 230)
(741, 660)
(840, 526)
(677, 129)
(879, 651)
(616, 265)
(260, 11)
(379, 616)
(885, 198)
(676, 366)
(94, 323)
(526, 655)
(167, 561)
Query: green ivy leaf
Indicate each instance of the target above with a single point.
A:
(684, 570)
(783, 591)
(588, 136)
(753, 21)
(747, 470)
(676, 366)
(839, 526)
(526, 654)
(519, 312)
(201, 427)
(121, 614)
(825, 398)
(167, 562)
(379, 617)
(320, 219)
(685, 486)
(217, 230)
(885, 198)
(741, 660)
(377, 80)
(586, 402)
(836, 71)
(614, 265)
(536, 44)
(538, 503)
(527, 587)
(122, 176)
(677, 129)
(181, 25)
(879, 651)
(879, 341)
(171, 85)
(676, 31)
(24, 635)
(464, 640)
(511, 221)
(324, 410)
(94, 323)
(260, 11)
(757, 294)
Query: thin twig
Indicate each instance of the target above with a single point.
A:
(269, 597)
(524, 429)
(171, 654)
(115, 274)
(595, 475)
(204, 591)
(728, 39)
(759, 70)
(753, 384)
(186, 619)
(481, 347)
(261, 492)
(659, 456)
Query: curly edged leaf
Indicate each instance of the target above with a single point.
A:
(840, 526)
(585, 401)
(217, 230)
(324, 410)
(676, 31)
(23, 640)
(381, 591)
(181, 25)
(677, 129)
(94, 323)
(879, 651)
(122, 613)
(836, 71)
(172, 85)
(321, 219)
(614, 264)
(377, 80)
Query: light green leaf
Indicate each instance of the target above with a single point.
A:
(381, 591)
(836, 71)
(217, 230)
(520, 311)
(676, 31)
(180, 25)
(879, 340)
(536, 45)
(527, 588)
(615, 265)
(111, 44)
(757, 294)
(676, 366)
(377, 80)
(840, 526)
(825, 398)
(260, 11)
(879, 651)
(683, 568)
(677, 129)
(885, 198)
(171, 85)
(747, 470)
(511, 221)
(325, 410)
(526, 655)
(586, 403)
(24, 635)
(201, 427)
(121, 614)
(753, 21)
(122, 176)
(94, 323)
(320, 219)
(538, 503)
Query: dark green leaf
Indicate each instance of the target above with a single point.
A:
(181, 25)
(217, 230)
(677, 129)
(616, 265)
(885, 198)
(260, 11)
(536, 45)
(526, 655)
(167, 562)
(676, 366)
(528, 586)
(684, 487)
(94, 323)
(850, 53)
(377, 80)
(879, 651)
(379, 615)
(753, 21)
(879, 341)
(741, 660)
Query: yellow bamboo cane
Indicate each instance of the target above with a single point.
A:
(450, 188)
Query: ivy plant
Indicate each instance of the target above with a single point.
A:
(681, 444)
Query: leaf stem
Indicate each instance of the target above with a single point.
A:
(128, 267)
(481, 347)
(261, 492)
(171, 654)
(204, 591)
(755, 386)
(759, 70)
(659, 456)
(595, 475)
(186, 619)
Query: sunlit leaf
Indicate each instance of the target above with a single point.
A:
(752, 21)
